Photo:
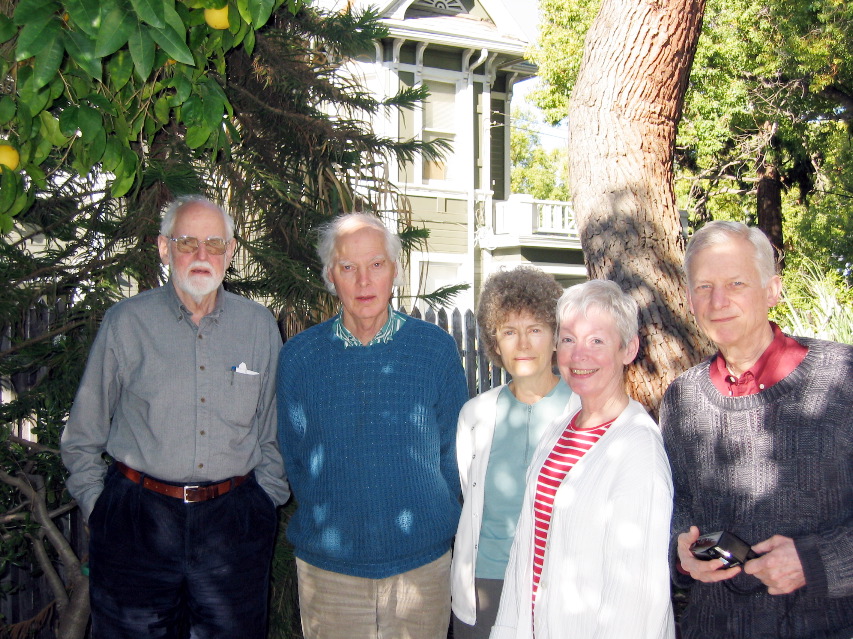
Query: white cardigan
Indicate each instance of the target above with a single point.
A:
(475, 429)
(606, 574)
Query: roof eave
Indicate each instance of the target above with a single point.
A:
(400, 29)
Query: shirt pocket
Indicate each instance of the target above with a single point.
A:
(241, 399)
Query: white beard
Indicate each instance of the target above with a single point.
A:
(199, 285)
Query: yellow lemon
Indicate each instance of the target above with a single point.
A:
(217, 18)
(9, 156)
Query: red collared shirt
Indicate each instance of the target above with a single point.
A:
(776, 362)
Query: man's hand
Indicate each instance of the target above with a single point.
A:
(779, 567)
(705, 571)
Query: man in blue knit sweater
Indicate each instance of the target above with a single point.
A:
(368, 403)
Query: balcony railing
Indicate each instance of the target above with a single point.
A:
(522, 216)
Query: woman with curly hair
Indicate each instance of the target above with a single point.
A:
(497, 434)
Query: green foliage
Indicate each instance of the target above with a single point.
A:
(770, 86)
(59, 281)
(816, 304)
(308, 154)
(536, 171)
(559, 52)
(443, 296)
(90, 84)
(820, 229)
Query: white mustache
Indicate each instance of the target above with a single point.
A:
(199, 265)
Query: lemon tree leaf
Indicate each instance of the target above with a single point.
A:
(30, 11)
(48, 61)
(149, 11)
(90, 122)
(50, 129)
(260, 11)
(36, 35)
(116, 26)
(141, 51)
(197, 135)
(7, 109)
(86, 14)
(120, 68)
(7, 28)
(81, 49)
(172, 44)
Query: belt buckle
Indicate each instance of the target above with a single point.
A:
(186, 499)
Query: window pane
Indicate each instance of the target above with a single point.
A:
(437, 169)
(440, 107)
(440, 122)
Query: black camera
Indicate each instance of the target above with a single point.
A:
(725, 546)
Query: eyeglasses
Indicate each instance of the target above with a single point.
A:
(189, 244)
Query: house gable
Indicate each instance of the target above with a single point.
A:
(445, 7)
(491, 13)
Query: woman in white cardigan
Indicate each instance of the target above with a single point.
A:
(497, 434)
(589, 558)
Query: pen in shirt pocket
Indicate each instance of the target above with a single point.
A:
(241, 369)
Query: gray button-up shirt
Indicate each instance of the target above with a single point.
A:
(177, 401)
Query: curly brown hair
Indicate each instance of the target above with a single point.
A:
(524, 289)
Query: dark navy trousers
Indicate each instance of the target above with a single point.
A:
(163, 569)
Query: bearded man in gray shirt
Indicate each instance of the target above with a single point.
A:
(179, 390)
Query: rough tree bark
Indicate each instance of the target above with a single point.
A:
(769, 206)
(623, 114)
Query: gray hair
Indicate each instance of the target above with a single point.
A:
(604, 296)
(170, 214)
(721, 232)
(331, 232)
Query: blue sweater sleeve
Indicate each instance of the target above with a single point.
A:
(455, 393)
(291, 415)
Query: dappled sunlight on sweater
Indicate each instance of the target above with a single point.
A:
(315, 461)
(298, 419)
(405, 521)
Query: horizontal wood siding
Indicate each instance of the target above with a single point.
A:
(447, 221)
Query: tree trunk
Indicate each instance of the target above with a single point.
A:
(623, 115)
(769, 205)
(74, 620)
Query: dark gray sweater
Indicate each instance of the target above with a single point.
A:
(777, 462)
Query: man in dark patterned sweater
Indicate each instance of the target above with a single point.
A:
(760, 439)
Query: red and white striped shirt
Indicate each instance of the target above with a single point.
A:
(571, 446)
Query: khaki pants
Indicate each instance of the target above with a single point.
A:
(412, 605)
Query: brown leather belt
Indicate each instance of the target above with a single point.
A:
(189, 494)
